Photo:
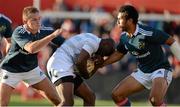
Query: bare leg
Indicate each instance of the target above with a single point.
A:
(158, 91)
(48, 90)
(88, 96)
(4, 97)
(125, 88)
(66, 93)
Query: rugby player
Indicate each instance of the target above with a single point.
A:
(73, 55)
(21, 64)
(144, 43)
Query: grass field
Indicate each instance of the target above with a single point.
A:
(16, 101)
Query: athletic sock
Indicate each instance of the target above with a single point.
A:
(124, 102)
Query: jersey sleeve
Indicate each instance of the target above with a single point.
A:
(121, 47)
(21, 38)
(91, 46)
(158, 37)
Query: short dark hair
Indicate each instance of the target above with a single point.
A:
(106, 47)
(27, 11)
(130, 12)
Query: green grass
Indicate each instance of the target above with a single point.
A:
(17, 101)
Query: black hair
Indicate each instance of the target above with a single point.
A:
(130, 12)
(106, 47)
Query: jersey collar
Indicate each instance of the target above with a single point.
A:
(136, 31)
(24, 26)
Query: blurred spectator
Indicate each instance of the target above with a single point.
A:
(59, 5)
(68, 25)
(86, 26)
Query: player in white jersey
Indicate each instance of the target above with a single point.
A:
(74, 53)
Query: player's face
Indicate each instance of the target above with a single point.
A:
(122, 21)
(33, 22)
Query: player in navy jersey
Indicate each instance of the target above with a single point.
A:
(5, 34)
(21, 64)
(144, 43)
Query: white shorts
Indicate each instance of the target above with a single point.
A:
(32, 77)
(60, 65)
(146, 78)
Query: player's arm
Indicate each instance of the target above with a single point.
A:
(81, 63)
(160, 37)
(35, 46)
(8, 44)
(174, 47)
(116, 56)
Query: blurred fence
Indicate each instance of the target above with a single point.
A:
(101, 15)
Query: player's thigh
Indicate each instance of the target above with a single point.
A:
(66, 91)
(81, 89)
(159, 88)
(161, 79)
(46, 86)
(84, 91)
(127, 86)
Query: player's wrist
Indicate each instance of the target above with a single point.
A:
(53, 35)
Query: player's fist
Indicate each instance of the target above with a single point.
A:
(57, 32)
(98, 60)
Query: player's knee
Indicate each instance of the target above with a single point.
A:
(90, 99)
(155, 101)
(56, 101)
(54, 98)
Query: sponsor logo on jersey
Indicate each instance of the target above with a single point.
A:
(2, 28)
(143, 55)
(141, 45)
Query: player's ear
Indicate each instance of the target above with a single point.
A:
(130, 20)
(24, 21)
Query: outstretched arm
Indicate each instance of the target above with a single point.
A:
(116, 56)
(34, 47)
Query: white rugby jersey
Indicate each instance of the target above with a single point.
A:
(73, 46)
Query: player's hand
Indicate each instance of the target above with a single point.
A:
(57, 32)
(93, 64)
(98, 60)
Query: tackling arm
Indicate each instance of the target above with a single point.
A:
(34, 47)
(116, 56)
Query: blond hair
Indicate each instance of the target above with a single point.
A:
(27, 11)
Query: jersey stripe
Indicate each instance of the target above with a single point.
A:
(1, 15)
(147, 33)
